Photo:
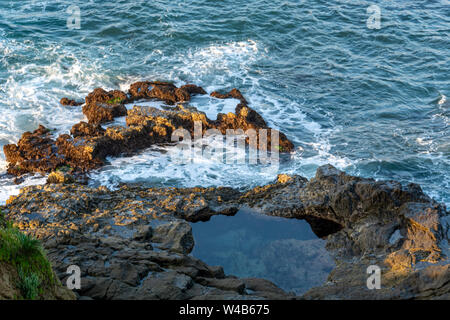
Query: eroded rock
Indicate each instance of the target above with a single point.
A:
(89, 143)
(134, 236)
(70, 102)
(129, 244)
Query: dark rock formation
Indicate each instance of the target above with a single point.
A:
(164, 91)
(84, 129)
(234, 93)
(102, 112)
(89, 144)
(367, 222)
(70, 102)
(102, 106)
(193, 89)
(133, 243)
(35, 152)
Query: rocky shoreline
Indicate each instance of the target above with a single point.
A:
(136, 242)
(88, 144)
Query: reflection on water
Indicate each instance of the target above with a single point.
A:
(284, 251)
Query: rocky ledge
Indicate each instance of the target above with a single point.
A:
(134, 243)
(88, 144)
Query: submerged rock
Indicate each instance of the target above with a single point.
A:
(89, 144)
(134, 243)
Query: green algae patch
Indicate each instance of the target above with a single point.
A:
(116, 100)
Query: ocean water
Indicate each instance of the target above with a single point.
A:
(372, 102)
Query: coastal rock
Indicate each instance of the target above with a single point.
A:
(102, 96)
(70, 102)
(165, 91)
(102, 106)
(136, 235)
(84, 129)
(130, 244)
(193, 89)
(89, 143)
(60, 177)
(165, 122)
(102, 112)
(234, 93)
(35, 152)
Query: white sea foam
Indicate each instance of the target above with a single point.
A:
(8, 188)
(30, 96)
(215, 67)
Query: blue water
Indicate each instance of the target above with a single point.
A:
(369, 101)
(248, 245)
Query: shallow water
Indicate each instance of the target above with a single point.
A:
(253, 245)
(371, 102)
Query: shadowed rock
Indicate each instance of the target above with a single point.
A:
(164, 91)
(234, 93)
(70, 102)
(102, 106)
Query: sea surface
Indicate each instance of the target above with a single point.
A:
(371, 101)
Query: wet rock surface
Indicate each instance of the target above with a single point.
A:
(70, 102)
(130, 244)
(134, 243)
(88, 144)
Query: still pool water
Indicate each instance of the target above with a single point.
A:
(284, 251)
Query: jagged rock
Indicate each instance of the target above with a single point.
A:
(165, 122)
(102, 106)
(89, 144)
(116, 237)
(84, 129)
(174, 236)
(234, 93)
(101, 96)
(193, 89)
(35, 152)
(70, 102)
(130, 244)
(60, 177)
(101, 112)
(164, 91)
